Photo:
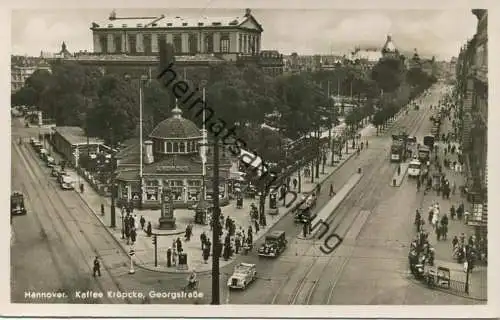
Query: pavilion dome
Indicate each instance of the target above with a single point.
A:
(175, 127)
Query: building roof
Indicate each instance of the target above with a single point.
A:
(76, 136)
(130, 152)
(389, 45)
(89, 57)
(176, 127)
(162, 21)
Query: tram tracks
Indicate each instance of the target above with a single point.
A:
(416, 126)
(371, 188)
(68, 229)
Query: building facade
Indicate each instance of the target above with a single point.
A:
(271, 62)
(22, 68)
(472, 96)
(171, 159)
(132, 43)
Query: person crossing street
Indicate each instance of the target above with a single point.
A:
(97, 267)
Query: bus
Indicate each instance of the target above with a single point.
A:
(429, 141)
(424, 154)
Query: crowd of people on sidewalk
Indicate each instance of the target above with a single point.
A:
(465, 250)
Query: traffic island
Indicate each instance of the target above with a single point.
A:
(399, 175)
(329, 208)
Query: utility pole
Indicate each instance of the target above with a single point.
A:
(141, 143)
(216, 224)
(318, 151)
(155, 242)
(113, 186)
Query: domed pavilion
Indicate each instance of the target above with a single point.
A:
(171, 160)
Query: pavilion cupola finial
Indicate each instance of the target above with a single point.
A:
(176, 112)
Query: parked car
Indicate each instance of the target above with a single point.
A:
(17, 204)
(56, 170)
(37, 146)
(51, 162)
(243, 275)
(67, 183)
(274, 244)
(43, 154)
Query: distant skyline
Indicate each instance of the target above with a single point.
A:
(307, 32)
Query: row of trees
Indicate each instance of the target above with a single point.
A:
(107, 106)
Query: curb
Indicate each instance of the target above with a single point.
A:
(403, 176)
(143, 267)
(312, 236)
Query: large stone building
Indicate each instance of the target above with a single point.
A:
(472, 96)
(22, 68)
(171, 159)
(132, 43)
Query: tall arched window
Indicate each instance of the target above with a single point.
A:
(169, 147)
(188, 146)
(177, 43)
(176, 147)
(182, 147)
(193, 44)
(209, 43)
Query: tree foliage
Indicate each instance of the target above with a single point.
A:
(388, 73)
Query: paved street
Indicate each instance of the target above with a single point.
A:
(74, 232)
(150, 120)
(371, 266)
(56, 242)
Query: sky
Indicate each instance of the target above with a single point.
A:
(431, 32)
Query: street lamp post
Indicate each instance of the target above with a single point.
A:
(142, 79)
(113, 184)
(216, 225)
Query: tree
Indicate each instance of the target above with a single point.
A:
(116, 113)
(26, 96)
(388, 73)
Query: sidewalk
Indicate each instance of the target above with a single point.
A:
(144, 249)
(443, 248)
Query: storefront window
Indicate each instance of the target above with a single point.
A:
(124, 192)
(188, 147)
(177, 188)
(194, 190)
(152, 190)
(176, 147)
(169, 147)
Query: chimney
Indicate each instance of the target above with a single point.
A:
(148, 152)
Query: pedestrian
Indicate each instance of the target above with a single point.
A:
(178, 245)
(454, 242)
(453, 188)
(174, 256)
(430, 215)
(399, 170)
(237, 243)
(257, 228)
(143, 222)
(169, 257)
(295, 182)
(133, 235)
(97, 267)
(81, 187)
(203, 239)
(189, 232)
(149, 229)
(332, 193)
(102, 209)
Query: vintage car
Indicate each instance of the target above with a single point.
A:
(50, 161)
(17, 204)
(243, 275)
(304, 208)
(274, 244)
